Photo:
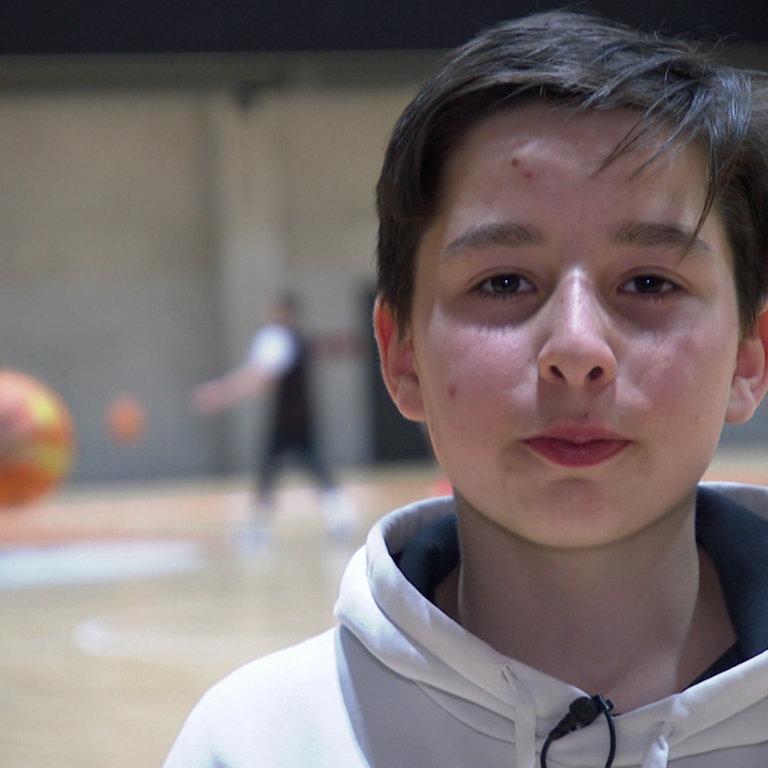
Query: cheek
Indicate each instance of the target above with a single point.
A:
(688, 378)
(472, 369)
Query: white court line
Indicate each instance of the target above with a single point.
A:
(102, 637)
(96, 562)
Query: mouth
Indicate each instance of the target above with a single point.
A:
(577, 450)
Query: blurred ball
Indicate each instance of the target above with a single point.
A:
(126, 421)
(37, 439)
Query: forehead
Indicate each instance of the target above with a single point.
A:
(536, 159)
(614, 141)
(554, 172)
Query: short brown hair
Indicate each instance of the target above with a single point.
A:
(591, 64)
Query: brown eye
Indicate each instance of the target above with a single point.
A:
(505, 285)
(649, 285)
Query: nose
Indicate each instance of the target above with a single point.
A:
(577, 347)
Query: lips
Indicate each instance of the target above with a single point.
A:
(577, 449)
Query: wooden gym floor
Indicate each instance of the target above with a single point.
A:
(121, 606)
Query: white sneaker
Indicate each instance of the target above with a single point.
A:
(340, 515)
(251, 538)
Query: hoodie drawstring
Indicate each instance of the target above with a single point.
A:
(525, 722)
(657, 752)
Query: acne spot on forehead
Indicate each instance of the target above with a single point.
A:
(526, 173)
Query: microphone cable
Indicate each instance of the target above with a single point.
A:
(581, 713)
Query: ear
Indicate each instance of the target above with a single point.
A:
(397, 362)
(750, 379)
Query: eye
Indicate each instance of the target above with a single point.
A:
(505, 285)
(649, 285)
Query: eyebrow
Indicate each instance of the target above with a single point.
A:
(651, 233)
(515, 235)
(503, 233)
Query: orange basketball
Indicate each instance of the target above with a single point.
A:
(37, 439)
(126, 421)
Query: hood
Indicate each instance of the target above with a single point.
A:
(507, 700)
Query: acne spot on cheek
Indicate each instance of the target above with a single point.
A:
(452, 390)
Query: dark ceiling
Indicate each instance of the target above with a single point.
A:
(195, 26)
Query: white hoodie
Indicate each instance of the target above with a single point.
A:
(400, 685)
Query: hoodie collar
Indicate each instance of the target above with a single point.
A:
(504, 698)
(737, 541)
(735, 538)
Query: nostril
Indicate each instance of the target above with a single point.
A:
(595, 373)
(556, 372)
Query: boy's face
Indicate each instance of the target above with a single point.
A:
(573, 363)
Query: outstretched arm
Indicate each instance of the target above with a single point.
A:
(230, 389)
(272, 353)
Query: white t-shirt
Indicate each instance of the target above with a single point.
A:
(273, 350)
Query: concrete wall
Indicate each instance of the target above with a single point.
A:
(143, 231)
(106, 251)
(296, 172)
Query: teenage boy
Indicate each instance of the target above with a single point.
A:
(572, 261)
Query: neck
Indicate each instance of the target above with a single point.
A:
(636, 621)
